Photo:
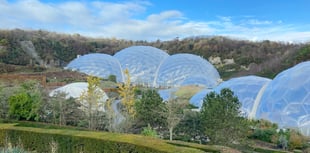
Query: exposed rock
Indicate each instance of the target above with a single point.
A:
(215, 60)
(228, 61)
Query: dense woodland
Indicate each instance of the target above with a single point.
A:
(232, 57)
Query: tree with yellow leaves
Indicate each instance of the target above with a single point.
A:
(92, 100)
(126, 91)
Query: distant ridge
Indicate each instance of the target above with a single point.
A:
(232, 56)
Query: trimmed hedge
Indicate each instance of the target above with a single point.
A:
(41, 140)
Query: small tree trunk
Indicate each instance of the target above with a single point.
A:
(60, 113)
(171, 132)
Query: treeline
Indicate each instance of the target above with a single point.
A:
(143, 111)
(264, 58)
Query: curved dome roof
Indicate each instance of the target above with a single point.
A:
(286, 99)
(197, 99)
(150, 66)
(97, 64)
(75, 90)
(167, 94)
(183, 69)
(142, 62)
(246, 89)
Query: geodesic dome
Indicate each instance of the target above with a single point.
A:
(246, 89)
(286, 99)
(184, 69)
(197, 99)
(142, 62)
(75, 90)
(149, 66)
(97, 64)
(167, 94)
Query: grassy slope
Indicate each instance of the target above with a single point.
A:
(158, 144)
(187, 92)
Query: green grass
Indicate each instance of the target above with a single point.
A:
(205, 148)
(46, 125)
(187, 92)
(139, 140)
(13, 150)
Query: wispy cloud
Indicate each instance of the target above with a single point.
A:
(128, 20)
(258, 22)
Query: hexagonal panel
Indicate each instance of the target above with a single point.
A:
(287, 97)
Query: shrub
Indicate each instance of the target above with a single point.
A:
(264, 134)
(296, 140)
(112, 78)
(149, 131)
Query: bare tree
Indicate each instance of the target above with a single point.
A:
(174, 113)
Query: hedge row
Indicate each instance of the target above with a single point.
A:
(42, 140)
(43, 143)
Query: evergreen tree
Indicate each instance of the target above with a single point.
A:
(222, 119)
(25, 104)
(150, 109)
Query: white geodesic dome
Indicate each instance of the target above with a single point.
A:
(96, 64)
(142, 62)
(186, 69)
(246, 88)
(75, 90)
(167, 94)
(197, 99)
(286, 99)
(149, 66)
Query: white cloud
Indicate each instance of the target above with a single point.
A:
(163, 16)
(258, 22)
(117, 12)
(129, 20)
(225, 18)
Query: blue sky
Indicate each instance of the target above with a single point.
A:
(278, 20)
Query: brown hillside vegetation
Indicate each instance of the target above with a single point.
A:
(231, 57)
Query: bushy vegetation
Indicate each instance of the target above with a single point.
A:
(149, 131)
(265, 58)
(45, 140)
(219, 122)
(286, 139)
(25, 104)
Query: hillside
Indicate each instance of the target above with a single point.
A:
(39, 50)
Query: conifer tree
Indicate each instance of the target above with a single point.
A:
(221, 117)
